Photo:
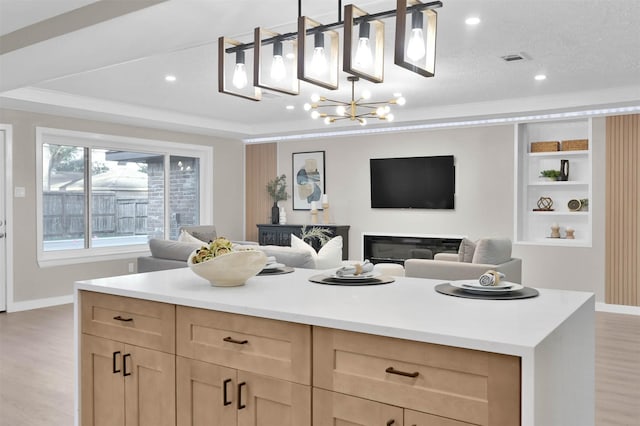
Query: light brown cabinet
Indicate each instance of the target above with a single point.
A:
(122, 382)
(157, 364)
(470, 386)
(240, 370)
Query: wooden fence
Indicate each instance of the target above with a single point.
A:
(63, 215)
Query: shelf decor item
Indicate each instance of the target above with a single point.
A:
(570, 233)
(277, 189)
(544, 205)
(564, 170)
(575, 145)
(576, 205)
(551, 175)
(545, 146)
(555, 230)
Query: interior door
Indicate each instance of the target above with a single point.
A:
(3, 227)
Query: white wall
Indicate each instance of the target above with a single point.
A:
(484, 197)
(33, 286)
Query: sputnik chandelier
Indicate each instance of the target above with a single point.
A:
(355, 110)
(278, 62)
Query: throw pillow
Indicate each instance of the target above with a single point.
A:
(186, 237)
(492, 251)
(466, 250)
(329, 256)
(173, 250)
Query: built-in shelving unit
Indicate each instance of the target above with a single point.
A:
(534, 227)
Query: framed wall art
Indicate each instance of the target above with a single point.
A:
(308, 179)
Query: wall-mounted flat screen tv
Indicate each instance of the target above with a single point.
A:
(413, 182)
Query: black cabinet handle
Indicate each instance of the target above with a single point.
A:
(237, 342)
(390, 422)
(119, 318)
(115, 354)
(224, 392)
(392, 370)
(240, 404)
(124, 365)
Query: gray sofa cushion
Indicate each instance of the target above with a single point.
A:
(204, 233)
(173, 250)
(466, 250)
(492, 251)
(289, 256)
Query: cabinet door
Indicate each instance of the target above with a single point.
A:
(336, 409)
(150, 387)
(205, 394)
(102, 402)
(265, 401)
(414, 418)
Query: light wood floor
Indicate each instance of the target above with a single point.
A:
(37, 368)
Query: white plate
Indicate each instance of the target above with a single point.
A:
(506, 287)
(363, 276)
(274, 266)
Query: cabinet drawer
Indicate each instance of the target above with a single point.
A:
(273, 348)
(467, 385)
(331, 409)
(124, 319)
(414, 418)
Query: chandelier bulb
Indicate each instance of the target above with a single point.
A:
(327, 120)
(239, 79)
(366, 94)
(315, 114)
(278, 70)
(307, 106)
(341, 110)
(363, 121)
(389, 117)
(318, 60)
(415, 48)
(380, 111)
(364, 57)
(315, 97)
(400, 101)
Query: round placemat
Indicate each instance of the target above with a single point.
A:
(324, 279)
(450, 290)
(276, 271)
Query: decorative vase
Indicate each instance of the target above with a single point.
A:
(275, 213)
(564, 170)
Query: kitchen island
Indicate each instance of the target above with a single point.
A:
(443, 350)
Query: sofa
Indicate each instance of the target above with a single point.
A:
(171, 254)
(472, 260)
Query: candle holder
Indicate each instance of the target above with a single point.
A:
(325, 213)
(314, 214)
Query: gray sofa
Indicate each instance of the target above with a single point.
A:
(169, 254)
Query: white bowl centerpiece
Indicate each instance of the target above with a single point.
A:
(223, 266)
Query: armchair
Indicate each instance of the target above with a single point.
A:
(489, 254)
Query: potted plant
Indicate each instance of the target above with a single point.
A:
(277, 189)
(550, 174)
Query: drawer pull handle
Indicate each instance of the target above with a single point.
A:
(240, 404)
(119, 318)
(237, 342)
(224, 392)
(124, 365)
(115, 368)
(392, 370)
(390, 422)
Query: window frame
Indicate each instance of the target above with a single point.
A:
(47, 135)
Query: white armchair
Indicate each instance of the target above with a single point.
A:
(490, 253)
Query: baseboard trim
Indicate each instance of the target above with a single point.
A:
(39, 303)
(617, 309)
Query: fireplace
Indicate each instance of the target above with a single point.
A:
(396, 248)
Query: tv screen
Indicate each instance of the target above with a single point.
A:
(413, 182)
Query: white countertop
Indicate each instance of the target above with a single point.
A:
(409, 308)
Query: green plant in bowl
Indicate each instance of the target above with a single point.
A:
(550, 174)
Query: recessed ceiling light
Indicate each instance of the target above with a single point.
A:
(170, 78)
(540, 77)
(290, 107)
(473, 20)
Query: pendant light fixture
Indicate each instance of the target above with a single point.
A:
(280, 61)
(419, 53)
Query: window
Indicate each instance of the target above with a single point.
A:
(105, 196)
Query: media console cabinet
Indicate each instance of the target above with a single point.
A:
(166, 348)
